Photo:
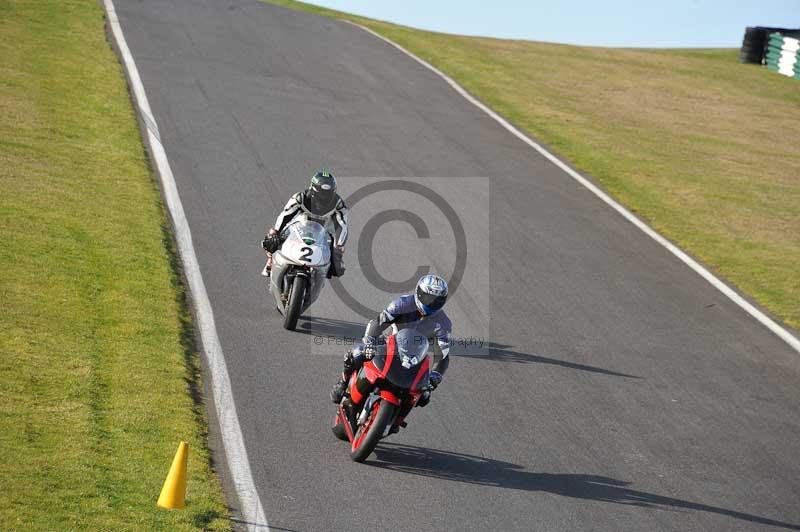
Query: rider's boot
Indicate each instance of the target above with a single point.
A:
(268, 266)
(350, 411)
(397, 426)
(339, 388)
(401, 419)
(341, 385)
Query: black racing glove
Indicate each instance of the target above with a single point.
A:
(368, 351)
(272, 243)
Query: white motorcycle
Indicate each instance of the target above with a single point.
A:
(299, 268)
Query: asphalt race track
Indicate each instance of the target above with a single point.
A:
(614, 390)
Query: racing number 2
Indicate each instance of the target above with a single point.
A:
(307, 252)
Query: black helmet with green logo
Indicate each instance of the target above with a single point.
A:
(321, 195)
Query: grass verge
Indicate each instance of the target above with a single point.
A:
(97, 364)
(700, 146)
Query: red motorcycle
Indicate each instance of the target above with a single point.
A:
(396, 377)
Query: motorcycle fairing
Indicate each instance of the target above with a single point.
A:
(395, 369)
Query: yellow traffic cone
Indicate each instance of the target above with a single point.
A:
(173, 494)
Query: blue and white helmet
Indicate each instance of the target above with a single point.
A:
(431, 294)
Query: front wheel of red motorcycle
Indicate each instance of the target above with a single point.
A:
(371, 431)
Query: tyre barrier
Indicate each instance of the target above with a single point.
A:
(756, 42)
(782, 55)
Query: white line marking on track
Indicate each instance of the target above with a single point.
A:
(251, 509)
(784, 334)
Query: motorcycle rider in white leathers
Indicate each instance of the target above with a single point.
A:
(320, 203)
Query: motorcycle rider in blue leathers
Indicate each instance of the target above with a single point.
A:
(422, 311)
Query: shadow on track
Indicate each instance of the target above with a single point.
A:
(330, 327)
(351, 333)
(470, 469)
(505, 353)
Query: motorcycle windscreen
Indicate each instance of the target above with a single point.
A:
(307, 242)
(406, 352)
(310, 232)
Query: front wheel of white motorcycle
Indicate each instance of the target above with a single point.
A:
(296, 295)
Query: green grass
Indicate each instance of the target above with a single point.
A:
(702, 147)
(97, 367)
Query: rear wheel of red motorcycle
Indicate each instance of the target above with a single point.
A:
(338, 429)
(371, 431)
